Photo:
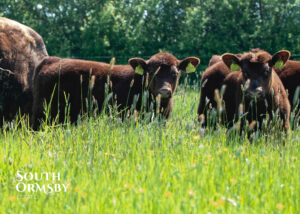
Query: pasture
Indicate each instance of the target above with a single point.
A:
(151, 167)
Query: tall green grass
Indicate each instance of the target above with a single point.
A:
(151, 167)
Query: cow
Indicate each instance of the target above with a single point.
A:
(21, 49)
(290, 77)
(159, 76)
(214, 59)
(257, 88)
(211, 83)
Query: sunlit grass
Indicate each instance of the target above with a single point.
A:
(140, 167)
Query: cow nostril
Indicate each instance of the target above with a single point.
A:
(259, 89)
(165, 93)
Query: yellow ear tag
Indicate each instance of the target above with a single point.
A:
(190, 68)
(234, 67)
(279, 64)
(139, 70)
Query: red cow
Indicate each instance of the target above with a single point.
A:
(257, 86)
(159, 74)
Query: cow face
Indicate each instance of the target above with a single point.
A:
(163, 71)
(256, 70)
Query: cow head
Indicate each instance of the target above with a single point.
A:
(163, 71)
(256, 67)
(214, 60)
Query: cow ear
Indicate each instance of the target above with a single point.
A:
(189, 65)
(279, 59)
(138, 64)
(232, 61)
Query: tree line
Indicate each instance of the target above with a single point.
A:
(101, 29)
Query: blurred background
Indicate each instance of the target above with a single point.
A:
(99, 30)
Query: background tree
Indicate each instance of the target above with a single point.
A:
(99, 30)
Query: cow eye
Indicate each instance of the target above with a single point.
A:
(154, 70)
(267, 71)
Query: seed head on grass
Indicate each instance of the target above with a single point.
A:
(136, 115)
(204, 83)
(92, 82)
(218, 101)
(158, 100)
(237, 125)
(108, 79)
(131, 83)
(241, 109)
(157, 70)
(147, 80)
(252, 126)
(201, 118)
(247, 84)
(112, 63)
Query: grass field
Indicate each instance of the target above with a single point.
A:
(115, 167)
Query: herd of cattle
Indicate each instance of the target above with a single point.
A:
(28, 77)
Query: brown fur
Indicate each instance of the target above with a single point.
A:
(214, 59)
(21, 48)
(257, 78)
(290, 77)
(212, 80)
(68, 71)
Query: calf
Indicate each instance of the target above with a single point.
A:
(290, 77)
(21, 48)
(160, 73)
(214, 59)
(257, 86)
(212, 80)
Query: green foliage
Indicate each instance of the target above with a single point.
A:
(98, 30)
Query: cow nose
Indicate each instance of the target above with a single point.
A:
(165, 93)
(258, 93)
(259, 90)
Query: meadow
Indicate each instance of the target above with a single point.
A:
(151, 167)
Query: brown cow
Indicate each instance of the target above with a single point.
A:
(214, 59)
(161, 73)
(212, 80)
(21, 48)
(290, 77)
(257, 86)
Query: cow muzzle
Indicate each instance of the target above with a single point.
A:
(165, 93)
(257, 93)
